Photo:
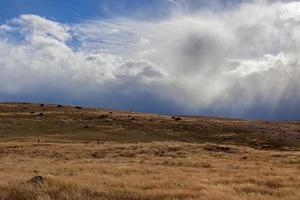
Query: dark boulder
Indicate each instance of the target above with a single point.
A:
(103, 116)
(37, 180)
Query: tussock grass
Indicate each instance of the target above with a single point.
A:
(144, 156)
(146, 171)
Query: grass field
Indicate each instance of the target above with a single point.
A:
(144, 156)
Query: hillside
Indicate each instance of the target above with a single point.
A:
(50, 152)
(59, 123)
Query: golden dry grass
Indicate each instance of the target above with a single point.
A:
(144, 156)
(146, 171)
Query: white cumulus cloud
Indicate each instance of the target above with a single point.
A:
(241, 61)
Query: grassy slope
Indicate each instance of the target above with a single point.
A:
(146, 171)
(63, 124)
(144, 156)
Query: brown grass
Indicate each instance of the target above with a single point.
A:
(157, 170)
(144, 156)
(68, 124)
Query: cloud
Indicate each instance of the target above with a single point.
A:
(241, 61)
(174, 2)
(38, 63)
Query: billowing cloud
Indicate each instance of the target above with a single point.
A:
(241, 61)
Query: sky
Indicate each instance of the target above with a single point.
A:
(232, 58)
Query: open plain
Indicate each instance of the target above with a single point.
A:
(87, 153)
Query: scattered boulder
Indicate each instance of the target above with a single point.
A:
(103, 116)
(59, 106)
(176, 118)
(37, 180)
(78, 107)
(42, 105)
(244, 158)
(41, 114)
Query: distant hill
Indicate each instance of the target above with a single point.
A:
(60, 123)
